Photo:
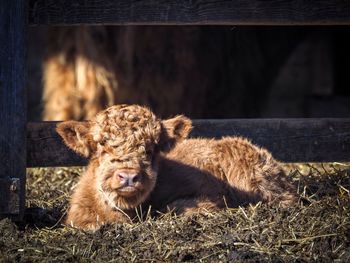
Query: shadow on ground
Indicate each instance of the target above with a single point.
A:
(316, 229)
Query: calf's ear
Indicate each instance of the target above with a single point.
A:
(76, 135)
(174, 130)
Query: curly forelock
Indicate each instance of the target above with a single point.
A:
(126, 126)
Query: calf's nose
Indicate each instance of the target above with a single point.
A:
(128, 178)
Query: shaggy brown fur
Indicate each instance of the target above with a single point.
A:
(79, 79)
(136, 158)
(89, 68)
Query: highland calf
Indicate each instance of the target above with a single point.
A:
(137, 159)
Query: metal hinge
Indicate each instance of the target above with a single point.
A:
(10, 190)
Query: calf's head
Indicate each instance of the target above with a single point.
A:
(123, 144)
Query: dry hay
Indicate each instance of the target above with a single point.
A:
(316, 229)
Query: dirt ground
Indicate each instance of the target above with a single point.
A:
(317, 229)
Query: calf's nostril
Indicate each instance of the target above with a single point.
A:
(136, 178)
(122, 178)
(122, 175)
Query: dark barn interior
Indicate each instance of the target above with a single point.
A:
(219, 71)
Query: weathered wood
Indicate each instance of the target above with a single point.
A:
(45, 148)
(13, 21)
(290, 140)
(11, 197)
(237, 12)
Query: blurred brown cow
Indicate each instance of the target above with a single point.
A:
(87, 69)
(203, 72)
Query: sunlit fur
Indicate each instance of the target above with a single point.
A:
(78, 74)
(89, 68)
(178, 174)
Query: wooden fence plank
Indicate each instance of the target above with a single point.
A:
(13, 22)
(45, 148)
(290, 140)
(237, 12)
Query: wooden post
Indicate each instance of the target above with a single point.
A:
(13, 23)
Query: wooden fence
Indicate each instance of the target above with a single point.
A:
(36, 144)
